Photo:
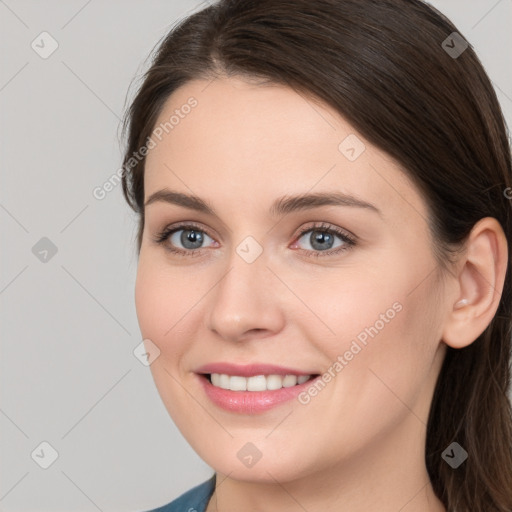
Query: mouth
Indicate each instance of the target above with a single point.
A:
(253, 394)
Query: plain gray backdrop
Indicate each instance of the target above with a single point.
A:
(69, 377)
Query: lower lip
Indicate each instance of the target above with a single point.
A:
(251, 402)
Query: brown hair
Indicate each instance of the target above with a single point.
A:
(382, 65)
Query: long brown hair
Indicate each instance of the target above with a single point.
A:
(396, 72)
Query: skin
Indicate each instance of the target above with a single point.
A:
(359, 444)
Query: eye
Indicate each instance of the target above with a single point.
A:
(190, 236)
(322, 238)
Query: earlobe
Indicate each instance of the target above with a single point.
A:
(480, 284)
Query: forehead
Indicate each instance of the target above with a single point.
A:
(231, 139)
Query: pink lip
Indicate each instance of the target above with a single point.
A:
(251, 402)
(250, 370)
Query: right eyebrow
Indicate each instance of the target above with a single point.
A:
(187, 201)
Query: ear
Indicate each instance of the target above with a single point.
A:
(479, 284)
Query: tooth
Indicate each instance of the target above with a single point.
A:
(274, 382)
(237, 383)
(289, 381)
(257, 383)
(224, 381)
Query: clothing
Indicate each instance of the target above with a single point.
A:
(194, 500)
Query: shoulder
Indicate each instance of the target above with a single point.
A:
(194, 500)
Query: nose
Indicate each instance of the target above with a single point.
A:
(246, 301)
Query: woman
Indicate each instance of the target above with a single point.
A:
(324, 281)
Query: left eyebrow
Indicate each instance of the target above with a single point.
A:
(288, 204)
(282, 206)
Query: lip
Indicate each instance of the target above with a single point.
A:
(252, 402)
(250, 370)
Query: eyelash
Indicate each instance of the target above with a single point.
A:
(349, 241)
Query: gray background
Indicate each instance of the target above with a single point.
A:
(69, 327)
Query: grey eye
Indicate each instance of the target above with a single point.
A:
(189, 238)
(320, 239)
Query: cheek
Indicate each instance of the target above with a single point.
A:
(147, 295)
(159, 307)
(385, 335)
(157, 302)
(168, 312)
(354, 307)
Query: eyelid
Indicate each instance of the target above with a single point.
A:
(325, 226)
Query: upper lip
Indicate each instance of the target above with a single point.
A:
(249, 370)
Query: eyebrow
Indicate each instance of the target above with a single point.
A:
(282, 206)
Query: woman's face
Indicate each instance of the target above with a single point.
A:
(271, 282)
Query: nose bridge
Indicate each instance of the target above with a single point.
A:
(244, 298)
